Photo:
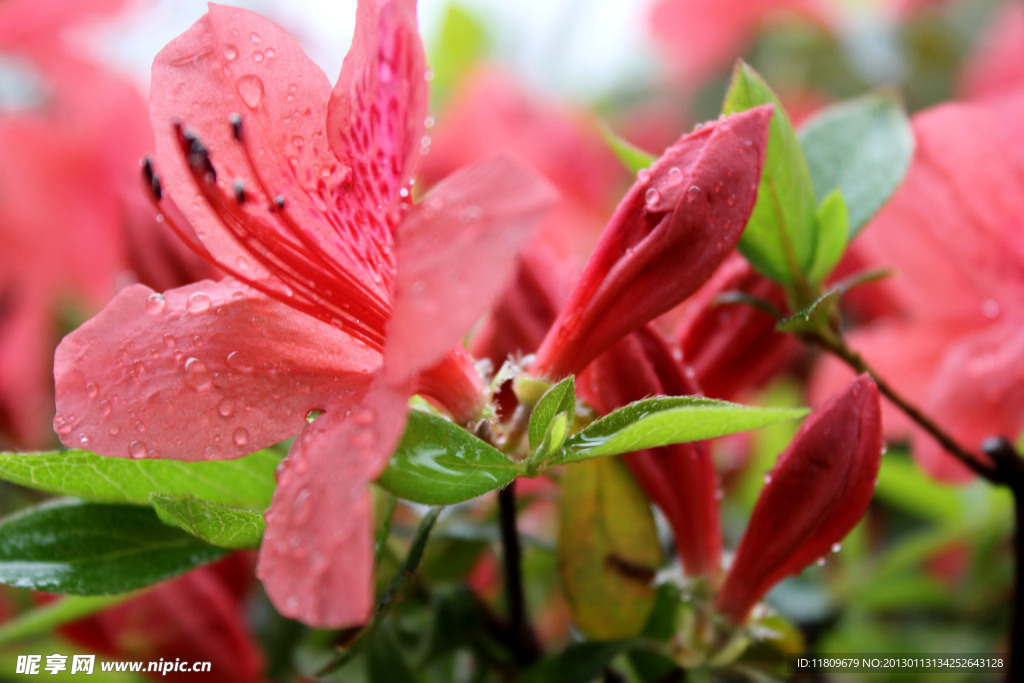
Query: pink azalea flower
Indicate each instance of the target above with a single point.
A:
(704, 36)
(344, 298)
(70, 145)
(954, 235)
(818, 491)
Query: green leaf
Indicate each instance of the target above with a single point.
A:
(803, 319)
(94, 549)
(779, 240)
(833, 227)
(578, 663)
(631, 156)
(654, 422)
(45, 618)
(219, 525)
(461, 45)
(245, 482)
(439, 463)
(553, 440)
(863, 147)
(607, 548)
(560, 398)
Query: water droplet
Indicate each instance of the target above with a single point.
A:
(271, 53)
(198, 302)
(230, 52)
(821, 562)
(137, 450)
(254, 37)
(695, 189)
(258, 56)
(250, 89)
(767, 477)
(836, 547)
(674, 172)
(237, 362)
(83, 440)
(298, 141)
(105, 408)
(302, 508)
(115, 430)
(241, 436)
(62, 425)
(91, 390)
(211, 453)
(156, 303)
(652, 197)
(197, 375)
(991, 308)
(226, 407)
(885, 448)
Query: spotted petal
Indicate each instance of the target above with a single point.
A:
(316, 560)
(210, 370)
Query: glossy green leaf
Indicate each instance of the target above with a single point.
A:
(578, 663)
(655, 422)
(245, 482)
(94, 549)
(779, 240)
(863, 147)
(608, 549)
(560, 398)
(804, 318)
(554, 438)
(833, 228)
(631, 156)
(45, 618)
(439, 463)
(219, 525)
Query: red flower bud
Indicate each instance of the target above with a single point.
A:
(669, 233)
(733, 346)
(817, 493)
(680, 479)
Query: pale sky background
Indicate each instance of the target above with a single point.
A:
(579, 49)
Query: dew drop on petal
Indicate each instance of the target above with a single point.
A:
(258, 56)
(83, 440)
(643, 175)
(820, 562)
(211, 453)
(230, 52)
(156, 303)
(226, 407)
(254, 37)
(652, 197)
(105, 408)
(91, 390)
(250, 89)
(767, 477)
(836, 547)
(271, 53)
(241, 436)
(137, 450)
(197, 302)
(302, 508)
(197, 375)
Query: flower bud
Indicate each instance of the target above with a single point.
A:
(680, 479)
(816, 494)
(669, 233)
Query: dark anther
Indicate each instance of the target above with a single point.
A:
(239, 189)
(196, 154)
(236, 126)
(279, 202)
(151, 178)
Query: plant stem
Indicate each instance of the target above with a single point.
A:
(524, 642)
(837, 346)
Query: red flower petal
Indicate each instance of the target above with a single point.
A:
(377, 110)
(818, 491)
(236, 62)
(455, 256)
(211, 370)
(316, 560)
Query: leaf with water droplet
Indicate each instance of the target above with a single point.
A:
(439, 463)
(77, 548)
(245, 482)
(219, 525)
(655, 422)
